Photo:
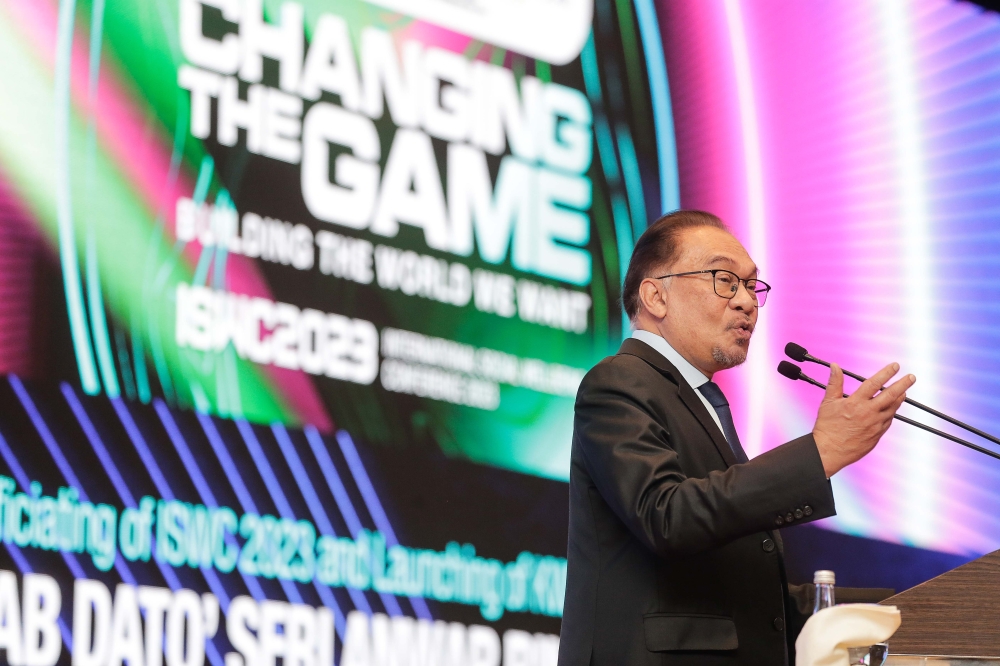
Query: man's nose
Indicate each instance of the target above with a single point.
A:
(743, 300)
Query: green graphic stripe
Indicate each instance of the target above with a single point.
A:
(95, 298)
(663, 117)
(98, 323)
(123, 225)
(63, 192)
(633, 179)
(633, 65)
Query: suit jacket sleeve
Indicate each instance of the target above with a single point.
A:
(632, 459)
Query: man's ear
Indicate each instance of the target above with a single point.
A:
(652, 298)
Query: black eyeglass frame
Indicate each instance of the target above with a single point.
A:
(746, 284)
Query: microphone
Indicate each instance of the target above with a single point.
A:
(794, 372)
(799, 353)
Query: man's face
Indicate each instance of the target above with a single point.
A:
(710, 331)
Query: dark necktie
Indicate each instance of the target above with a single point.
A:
(717, 399)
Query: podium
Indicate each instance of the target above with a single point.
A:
(956, 614)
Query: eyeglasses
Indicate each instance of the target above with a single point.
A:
(727, 284)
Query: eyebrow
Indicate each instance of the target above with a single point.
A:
(721, 258)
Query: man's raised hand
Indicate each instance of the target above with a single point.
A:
(847, 429)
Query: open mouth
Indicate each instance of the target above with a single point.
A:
(743, 329)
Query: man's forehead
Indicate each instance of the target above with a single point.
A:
(716, 248)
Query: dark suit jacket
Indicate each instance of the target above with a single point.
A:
(671, 557)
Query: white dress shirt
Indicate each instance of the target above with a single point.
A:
(691, 374)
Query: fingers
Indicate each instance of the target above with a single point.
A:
(872, 385)
(835, 386)
(893, 396)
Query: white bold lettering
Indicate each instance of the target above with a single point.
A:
(185, 630)
(154, 601)
(242, 620)
(203, 86)
(495, 219)
(261, 315)
(411, 191)
(234, 114)
(282, 126)
(546, 650)
(300, 636)
(272, 643)
(551, 306)
(221, 228)
(91, 622)
(517, 648)
(194, 317)
(311, 340)
(10, 620)
(283, 43)
(565, 129)
(392, 640)
(357, 641)
(439, 644)
(445, 95)
(325, 637)
(223, 55)
(344, 257)
(330, 65)
(484, 646)
(42, 602)
(347, 196)
(560, 223)
(285, 337)
(499, 112)
(126, 629)
(381, 75)
(185, 219)
(494, 292)
(251, 235)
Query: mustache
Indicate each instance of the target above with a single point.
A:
(741, 323)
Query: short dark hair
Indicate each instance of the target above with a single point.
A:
(658, 247)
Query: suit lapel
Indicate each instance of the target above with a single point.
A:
(694, 404)
(698, 408)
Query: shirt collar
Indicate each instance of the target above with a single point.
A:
(691, 374)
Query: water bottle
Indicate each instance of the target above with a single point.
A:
(824, 581)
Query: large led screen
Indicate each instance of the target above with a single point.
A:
(295, 296)
(853, 146)
(331, 213)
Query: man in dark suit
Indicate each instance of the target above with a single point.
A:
(673, 553)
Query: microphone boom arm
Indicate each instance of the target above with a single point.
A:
(800, 354)
(785, 368)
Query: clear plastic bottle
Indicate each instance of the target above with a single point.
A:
(824, 581)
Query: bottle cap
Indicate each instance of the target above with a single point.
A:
(824, 577)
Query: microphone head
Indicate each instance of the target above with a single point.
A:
(796, 352)
(789, 370)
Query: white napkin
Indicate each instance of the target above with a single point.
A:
(827, 634)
